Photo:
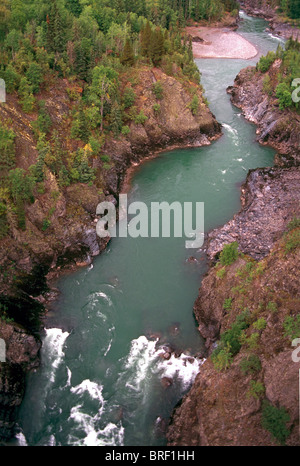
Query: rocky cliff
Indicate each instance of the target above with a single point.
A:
(247, 310)
(246, 393)
(275, 127)
(60, 231)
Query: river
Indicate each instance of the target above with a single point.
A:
(103, 380)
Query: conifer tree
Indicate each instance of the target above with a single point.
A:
(127, 57)
(157, 46)
(146, 34)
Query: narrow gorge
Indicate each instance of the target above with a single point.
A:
(112, 342)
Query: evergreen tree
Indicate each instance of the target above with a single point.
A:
(74, 6)
(127, 57)
(294, 9)
(157, 46)
(55, 33)
(146, 34)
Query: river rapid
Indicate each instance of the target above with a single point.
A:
(121, 345)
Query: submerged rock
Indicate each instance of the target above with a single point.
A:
(166, 382)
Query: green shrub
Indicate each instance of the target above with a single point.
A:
(105, 158)
(12, 79)
(221, 358)
(271, 306)
(250, 364)
(221, 272)
(291, 327)
(292, 240)
(21, 185)
(43, 122)
(229, 254)
(7, 147)
(156, 108)
(274, 420)
(194, 105)
(260, 324)
(267, 86)
(141, 118)
(229, 344)
(294, 223)
(232, 336)
(128, 97)
(46, 224)
(125, 130)
(34, 75)
(250, 341)
(227, 304)
(157, 90)
(265, 62)
(284, 95)
(256, 390)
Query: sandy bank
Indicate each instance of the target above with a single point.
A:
(220, 43)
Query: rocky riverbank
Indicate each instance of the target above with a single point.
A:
(278, 24)
(251, 399)
(275, 127)
(238, 397)
(246, 393)
(31, 258)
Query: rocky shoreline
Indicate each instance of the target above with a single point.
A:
(229, 406)
(276, 128)
(263, 9)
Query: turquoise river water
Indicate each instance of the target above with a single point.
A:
(101, 375)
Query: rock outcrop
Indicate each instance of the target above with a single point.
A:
(270, 199)
(228, 406)
(269, 11)
(21, 356)
(275, 127)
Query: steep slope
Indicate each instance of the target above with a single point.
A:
(248, 395)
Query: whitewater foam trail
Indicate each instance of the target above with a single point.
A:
(145, 360)
(53, 350)
(87, 429)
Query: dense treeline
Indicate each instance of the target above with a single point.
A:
(93, 44)
(285, 80)
(291, 8)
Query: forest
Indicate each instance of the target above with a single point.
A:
(93, 44)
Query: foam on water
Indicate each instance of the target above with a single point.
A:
(91, 429)
(53, 349)
(140, 359)
(145, 358)
(183, 369)
(92, 388)
(21, 439)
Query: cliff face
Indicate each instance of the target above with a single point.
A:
(227, 406)
(30, 258)
(247, 311)
(275, 127)
(22, 351)
(69, 236)
(270, 199)
(169, 123)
